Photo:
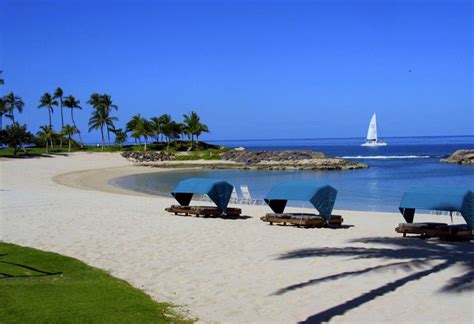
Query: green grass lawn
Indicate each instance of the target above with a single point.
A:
(205, 151)
(43, 287)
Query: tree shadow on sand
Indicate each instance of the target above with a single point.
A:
(417, 257)
(32, 272)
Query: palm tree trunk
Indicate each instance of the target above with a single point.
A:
(13, 116)
(62, 124)
(144, 148)
(62, 115)
(47, 151)
(50, 125)
(74, 123)
(102, 135)
(1, 122)
(108, 136)
(69, 144)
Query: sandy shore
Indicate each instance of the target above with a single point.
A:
(233, 270)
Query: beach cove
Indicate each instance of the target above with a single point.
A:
(241, 270)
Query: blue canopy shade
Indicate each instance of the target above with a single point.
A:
(218, 191)
(444, 199)
(322, 197)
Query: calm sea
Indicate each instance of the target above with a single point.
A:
(405, 163)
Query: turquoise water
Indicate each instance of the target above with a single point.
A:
(405, 163)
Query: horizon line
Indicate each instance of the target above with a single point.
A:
(335, 138)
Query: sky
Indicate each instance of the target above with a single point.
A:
(251, 69)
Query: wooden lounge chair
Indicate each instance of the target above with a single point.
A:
(426, 229)
(206, 211)
(441, 230)
(440, 200)
(302, 219)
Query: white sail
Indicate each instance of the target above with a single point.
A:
(372, 136)
(372, 131)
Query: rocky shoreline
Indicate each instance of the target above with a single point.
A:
(461, 157)
(250, 160)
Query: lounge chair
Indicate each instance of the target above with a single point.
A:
(234, 198)
(206, 211)
(246, 197)
(437, 199)
(302, 219)
(322, 197)
(218, 191)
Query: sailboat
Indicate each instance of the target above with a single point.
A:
(372, 138)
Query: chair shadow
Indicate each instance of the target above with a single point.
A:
(315, 227)
(424, 258)
(232, 218)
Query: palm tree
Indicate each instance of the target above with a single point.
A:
(94, 100)
(164, 120)
(172, 131)
(201, 129)
(69, 131)
(45, 135)
(167, 128)
(140, 127)
(193, 126)
(13, 102)
(106, 102)
(131, 125)
(120, 137)
(58, 94)
(101, 115)
(98, 121)
(71, 103)
(3, 111)
(1, 79)
(155, 124)
(105, 105)
(47, 101)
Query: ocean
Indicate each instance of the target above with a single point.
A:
(406, 162)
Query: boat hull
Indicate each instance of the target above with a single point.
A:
(373, 144)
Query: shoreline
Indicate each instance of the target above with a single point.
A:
(101, 180)
(221, 270)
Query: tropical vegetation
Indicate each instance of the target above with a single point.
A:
(16, 136)
(45, 136)
(69, 131)
(158, 132)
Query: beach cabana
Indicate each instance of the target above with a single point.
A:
(447, 200)
(321, 196)
(218, 191)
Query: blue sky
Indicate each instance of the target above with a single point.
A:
(251, 69)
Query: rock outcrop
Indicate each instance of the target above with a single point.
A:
(288, 160)
(253, 157)
(461, 157)
(150, 156)
(249, 160)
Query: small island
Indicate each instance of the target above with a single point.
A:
(244, 159)
(461, 157)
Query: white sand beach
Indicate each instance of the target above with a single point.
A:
(233, 271)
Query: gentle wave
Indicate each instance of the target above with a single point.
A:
(385, 157)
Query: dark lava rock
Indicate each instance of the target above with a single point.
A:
(254, 157)
(140, 156)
